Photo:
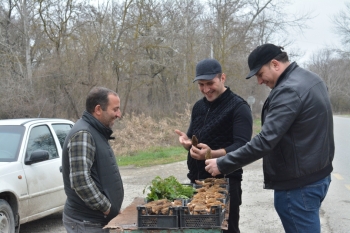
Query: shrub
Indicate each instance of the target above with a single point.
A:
(140, 132)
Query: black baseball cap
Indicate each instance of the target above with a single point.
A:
(260, 56)
(207, 69)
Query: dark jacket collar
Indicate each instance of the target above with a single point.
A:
(106, 132)
(286, 72)
(218, 100)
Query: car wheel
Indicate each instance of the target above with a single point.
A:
(7, 221)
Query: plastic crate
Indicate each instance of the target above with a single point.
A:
(225, 199)
(224, 186)
(212, 220)
(146, 221)
(183, 201)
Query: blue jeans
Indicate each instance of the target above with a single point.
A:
(76, 226)
(299, 209)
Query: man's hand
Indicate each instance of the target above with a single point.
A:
(184, 140)
(199, 151)
(107, 212)
(212, 167)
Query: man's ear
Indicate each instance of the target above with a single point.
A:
(275, 64)
(223, 77)
(98, 110)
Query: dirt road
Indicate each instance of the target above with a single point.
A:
(257, 211)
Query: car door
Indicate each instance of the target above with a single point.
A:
(12, 177)
(44, 179)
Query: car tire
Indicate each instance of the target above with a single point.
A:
(7, 221)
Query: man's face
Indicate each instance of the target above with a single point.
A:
(112, 111)
(212, 89)
(267, 75)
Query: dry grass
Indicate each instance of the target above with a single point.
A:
(136, 133)
(141, 133)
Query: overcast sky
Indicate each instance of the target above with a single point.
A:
(320, 34)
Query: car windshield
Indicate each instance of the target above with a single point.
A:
(10, 140)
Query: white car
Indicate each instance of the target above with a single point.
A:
(31, 183)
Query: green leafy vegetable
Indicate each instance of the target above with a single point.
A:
(168, 188)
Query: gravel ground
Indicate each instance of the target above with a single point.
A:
(257, 211)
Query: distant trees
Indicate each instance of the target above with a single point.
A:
(53, 52)
(333, 65)
(341, 22)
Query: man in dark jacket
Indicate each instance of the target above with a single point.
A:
(222, 122)
(296, 140)
(91, 177)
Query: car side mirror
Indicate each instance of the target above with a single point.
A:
(37, 156)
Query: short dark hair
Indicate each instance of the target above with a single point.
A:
(219, 75)
(282, 57)
(98, 96)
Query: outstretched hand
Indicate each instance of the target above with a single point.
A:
(183, 139)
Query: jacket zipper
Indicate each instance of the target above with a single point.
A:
(205, 119)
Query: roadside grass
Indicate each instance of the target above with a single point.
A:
(153, 156)
(136, 146)
(256, 126)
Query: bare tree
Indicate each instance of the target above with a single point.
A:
(59, 22)
(53, 52)
(342, 24)
(24, 8)
(15, 65)
(333, 69)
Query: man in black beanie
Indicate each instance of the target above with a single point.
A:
(296, 140)
(222, 122)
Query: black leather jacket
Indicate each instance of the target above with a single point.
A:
(296, 140)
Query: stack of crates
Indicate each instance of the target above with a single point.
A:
(181, 218)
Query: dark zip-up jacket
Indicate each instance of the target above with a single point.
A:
(224, 123)
(296, 141)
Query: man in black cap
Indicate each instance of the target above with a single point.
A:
(296, 140)
(222, 122)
